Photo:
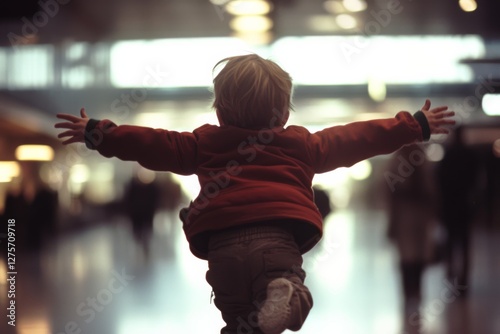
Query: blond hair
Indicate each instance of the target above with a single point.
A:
(251, 92)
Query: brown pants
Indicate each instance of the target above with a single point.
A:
(242, 262)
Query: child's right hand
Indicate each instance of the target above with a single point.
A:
(439, 118)
(76, 126)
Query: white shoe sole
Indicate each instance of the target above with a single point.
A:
(274, 315)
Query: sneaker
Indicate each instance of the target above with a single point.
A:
(275, 314)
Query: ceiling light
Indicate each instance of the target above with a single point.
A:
(468, 5)
(346, 21)
(248, 7)
(355, 5)
(251, 23)
(34, 153)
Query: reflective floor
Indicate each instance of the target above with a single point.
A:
(100, 282)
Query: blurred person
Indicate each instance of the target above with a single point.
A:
(412, 227)
(42, 216)
(141, 202)
(15, 207)
(34, 206)
(43, 206)
(457, 175)
(255, 214)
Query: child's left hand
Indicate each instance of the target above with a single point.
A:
(439, 118)
(76, 126)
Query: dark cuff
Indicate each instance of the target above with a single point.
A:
(424, 124)
(89, 129)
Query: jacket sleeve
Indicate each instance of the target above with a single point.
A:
(155, 149)
(343, 146)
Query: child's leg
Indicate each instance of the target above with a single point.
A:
(241, 266)
(230, 281)
(286, 300)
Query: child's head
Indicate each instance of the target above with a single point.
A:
(252, 92)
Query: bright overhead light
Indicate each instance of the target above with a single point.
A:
(251, 23)
(468, 5)
(346, 21)
(345, 60)
(491, 104)
(174, 62)
(34, 153)
(355, 5)
(248, 7)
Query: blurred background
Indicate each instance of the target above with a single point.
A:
(411, 242)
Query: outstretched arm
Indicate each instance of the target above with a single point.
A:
(343, 146)
(156, 149)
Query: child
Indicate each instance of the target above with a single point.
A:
(255, 215)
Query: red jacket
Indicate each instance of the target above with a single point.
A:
(249, 176)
